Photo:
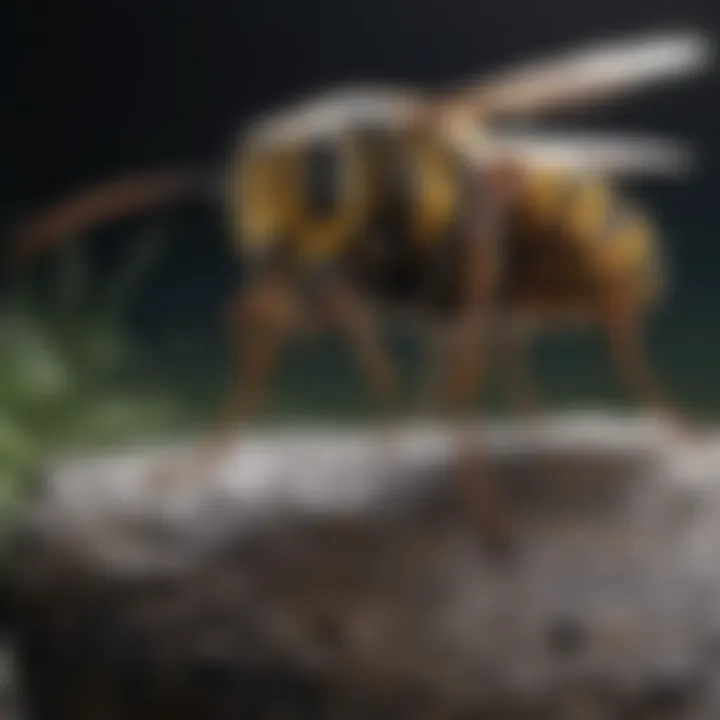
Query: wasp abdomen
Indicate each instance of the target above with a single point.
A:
(570, 238)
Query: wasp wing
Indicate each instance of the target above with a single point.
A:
(337, 111)
(589, 75)
(606, 155)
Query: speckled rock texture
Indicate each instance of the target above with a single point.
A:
(331, 574)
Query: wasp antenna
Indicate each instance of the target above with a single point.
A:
(105, 203)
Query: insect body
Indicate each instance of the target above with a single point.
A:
(390, 210)
(406, 200)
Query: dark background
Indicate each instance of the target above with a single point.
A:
(101, 87)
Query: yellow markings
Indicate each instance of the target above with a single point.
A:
(434, 203)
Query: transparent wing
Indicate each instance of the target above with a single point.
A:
(589, 75)
(607, 155)
(337, 110)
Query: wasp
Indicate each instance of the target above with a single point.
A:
(357, 204)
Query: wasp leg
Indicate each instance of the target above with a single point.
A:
(621, 318)
(475, 484)
(350, 313)
(259, 320)
(435, 360)
(514, 350)
(258, 325)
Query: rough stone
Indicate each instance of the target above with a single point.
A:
(313, 576)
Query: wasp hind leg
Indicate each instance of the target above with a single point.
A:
(621, 315)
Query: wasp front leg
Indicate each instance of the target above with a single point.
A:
(259, 320)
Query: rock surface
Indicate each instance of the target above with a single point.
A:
(330, 575)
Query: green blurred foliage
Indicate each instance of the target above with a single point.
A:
(67, 365)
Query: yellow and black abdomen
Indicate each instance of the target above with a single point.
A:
(571, 238)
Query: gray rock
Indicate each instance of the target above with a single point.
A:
(315, 575)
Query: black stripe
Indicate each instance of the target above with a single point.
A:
(323, 170)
